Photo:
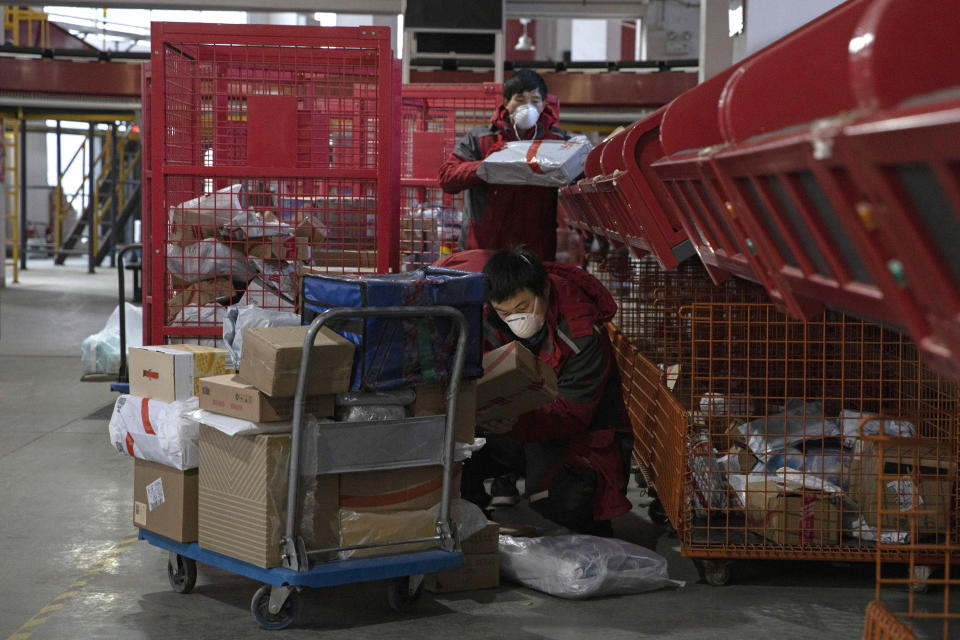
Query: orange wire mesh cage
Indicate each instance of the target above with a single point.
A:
(915, 602)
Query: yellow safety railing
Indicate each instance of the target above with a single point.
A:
(37, 27)
(11, 180)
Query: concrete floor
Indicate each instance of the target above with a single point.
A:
(72, 567)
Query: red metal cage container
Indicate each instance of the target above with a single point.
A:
(274, 152)
(433, 118)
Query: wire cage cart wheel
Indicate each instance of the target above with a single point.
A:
(182, 573)
(280, 615)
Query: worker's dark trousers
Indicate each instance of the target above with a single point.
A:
(570, 491)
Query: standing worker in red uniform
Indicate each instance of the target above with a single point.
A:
(571, 452)
(502, 215)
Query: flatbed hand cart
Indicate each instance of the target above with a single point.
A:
(274, 605)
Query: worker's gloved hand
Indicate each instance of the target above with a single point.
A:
(497, 426)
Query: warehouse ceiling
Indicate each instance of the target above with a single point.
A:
(514, 8)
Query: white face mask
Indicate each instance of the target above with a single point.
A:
(525, 325)
(525, 116)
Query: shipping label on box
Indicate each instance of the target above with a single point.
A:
(173, 372)
(270, 361)
(479, 571)
(431, 399)
(514, 382)
(792, 517)
(918, 479)
(165, 500)
(231, 396)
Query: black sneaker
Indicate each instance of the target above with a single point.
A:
(503, 491)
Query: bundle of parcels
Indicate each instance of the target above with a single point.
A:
(803, 478)
(221, 250)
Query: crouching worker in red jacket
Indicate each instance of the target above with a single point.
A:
(569, 452)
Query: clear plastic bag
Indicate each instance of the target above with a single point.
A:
(578, 566)
(100, 352)
(239, 318)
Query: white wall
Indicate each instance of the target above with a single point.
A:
(671, 29)
(588, 41)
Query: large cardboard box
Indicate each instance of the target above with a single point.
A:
(173, 372)
(479, 571)
(487, 540)
(165, 500)
(396, 489)
(927, 486)
(231, 396)
(514, 382)
(432, 400)
(791, 517)
(243, 497)
(270, 360)
(383, 527)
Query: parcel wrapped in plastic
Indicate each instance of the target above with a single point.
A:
(579, 566)
(545, 163)
(163, 432)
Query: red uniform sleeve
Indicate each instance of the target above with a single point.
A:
(457, 174)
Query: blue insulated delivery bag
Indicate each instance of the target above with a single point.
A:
(396, 352)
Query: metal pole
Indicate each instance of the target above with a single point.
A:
(115, 238)
(91, 206)
(23, 192)
(58, 209)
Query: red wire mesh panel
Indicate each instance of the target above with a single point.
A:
(274, 152)
(776, 448)
(433, 118)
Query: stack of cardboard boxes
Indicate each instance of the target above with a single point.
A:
(235, 502)
(165, 497)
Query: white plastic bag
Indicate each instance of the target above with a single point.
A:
(163, 432)
(100, 352)
(207, 259)
(578, 566)
(239, 318)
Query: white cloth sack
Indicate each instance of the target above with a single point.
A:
(100, 352)
(207, 259)
(546, 163)
(169, 435)
(578, 566)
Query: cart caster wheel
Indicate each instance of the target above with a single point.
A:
(716, 573)
(260, 607)
(657, 513)
(403, 594)
(182, 573)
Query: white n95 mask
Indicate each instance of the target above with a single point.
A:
(525, 325)
(525, 116)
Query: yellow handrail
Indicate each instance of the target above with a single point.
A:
(13, 198)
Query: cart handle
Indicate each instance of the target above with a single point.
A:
(123, 374)
(299, 403)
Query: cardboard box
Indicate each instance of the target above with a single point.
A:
(927, 487)
(479, 571)
(231, 396)
(290, 248)
(396, 489)
(432, 400)
(202, 216)
(270, 361)
(514, 382)
(165, 500)
(792, 517)
(243, 498)
(379, 527)
(173, 372)
(487, 540)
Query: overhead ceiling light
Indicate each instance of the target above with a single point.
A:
(525, 42)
